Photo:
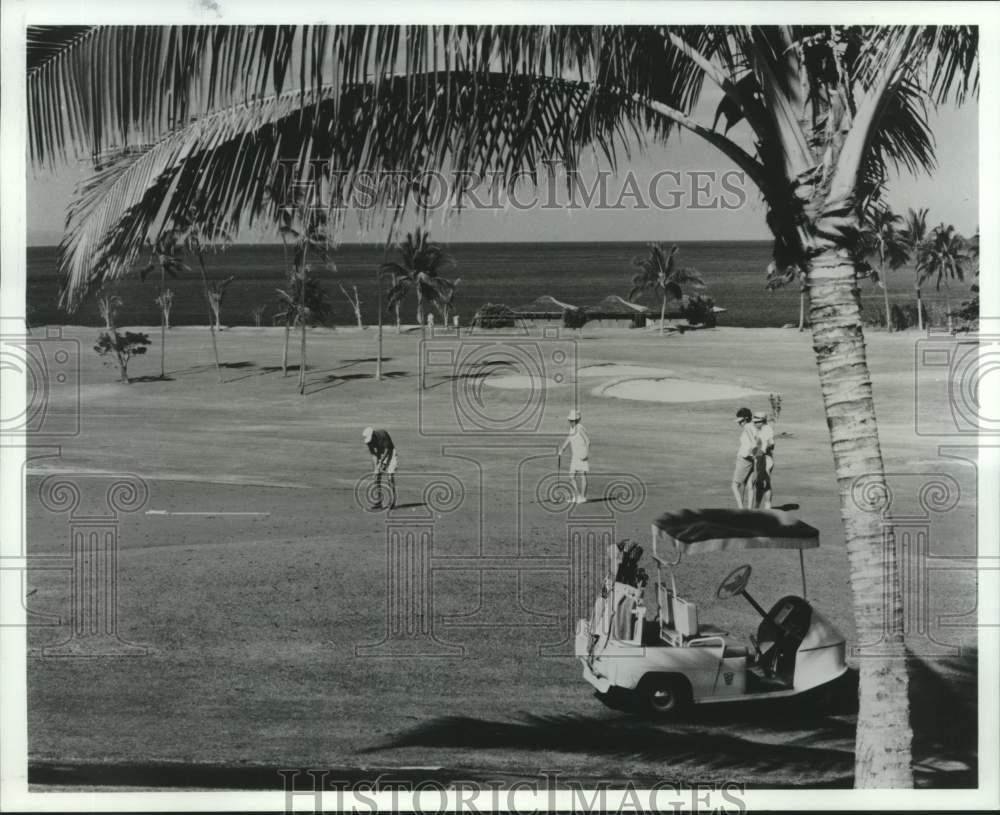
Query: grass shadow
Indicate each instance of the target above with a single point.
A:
(701, 750)
(133, 380)
(944, 697)
(335, 380)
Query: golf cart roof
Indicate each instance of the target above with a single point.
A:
(718, 530)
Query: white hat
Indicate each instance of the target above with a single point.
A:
(366, 434)
(574, 416)
(759, 414)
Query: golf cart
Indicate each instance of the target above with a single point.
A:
(676, 660)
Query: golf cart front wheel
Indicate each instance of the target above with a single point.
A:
(664, 696)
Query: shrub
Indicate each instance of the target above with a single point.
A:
(905, 316)
(967, 314)
(121, 347)
(699, 309)
(574, 318)
(494, 316)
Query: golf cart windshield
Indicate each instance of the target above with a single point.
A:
(719, 530)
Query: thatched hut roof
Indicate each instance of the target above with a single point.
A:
(546, 304)
(615, 305)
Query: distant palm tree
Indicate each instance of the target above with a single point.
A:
(216, 291)
(421, 268)
(447, 299)
(164, 255)
(661, 277)
(307, 228)
(776, 278)
(914, 233)
(943, 257)
(302, 303)
(107, 305)
(889, 246)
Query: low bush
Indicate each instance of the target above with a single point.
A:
(699, 309)
(119, 349)
(494, 315)
(574, 318)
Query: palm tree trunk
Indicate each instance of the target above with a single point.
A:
(302, 320)
(663, 312)
(920, 311)
(211, 329)
(163, 324)
(378, 355)
(884, 736)
(885, 294)
(284, 353)
(399, 321)
(420, 307)
(802, 308)
(947, 303)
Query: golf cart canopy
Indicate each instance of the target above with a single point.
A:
(720, 530)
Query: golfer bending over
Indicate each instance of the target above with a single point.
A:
(384, 457)
(578, 441)
(744, 454)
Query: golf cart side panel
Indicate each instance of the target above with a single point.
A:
(821, 655)
(624, 665)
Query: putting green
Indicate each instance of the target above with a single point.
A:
(674, 390)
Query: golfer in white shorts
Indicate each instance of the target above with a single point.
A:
(749, 444)
(578, 442)
(765, 438)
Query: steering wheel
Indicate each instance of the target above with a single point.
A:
(734, 582)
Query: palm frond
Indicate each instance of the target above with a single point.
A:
(237, 162)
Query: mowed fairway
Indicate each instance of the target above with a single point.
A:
(256, 625)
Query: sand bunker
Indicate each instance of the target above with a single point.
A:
(522, 382)
(673, 390)
(618, 370)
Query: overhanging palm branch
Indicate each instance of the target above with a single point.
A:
(478, 99)
(240, 164)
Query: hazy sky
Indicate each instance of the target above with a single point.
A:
(950, 192)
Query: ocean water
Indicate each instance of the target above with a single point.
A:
(510, 273)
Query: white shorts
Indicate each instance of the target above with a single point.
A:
(579, 465)
(390, 468)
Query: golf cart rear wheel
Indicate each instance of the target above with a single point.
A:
(664, 696)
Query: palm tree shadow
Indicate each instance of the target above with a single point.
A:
(481, 371)
(944, 716)
(270, 369)
(336, 380)
(133, 380)
(703, 749)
